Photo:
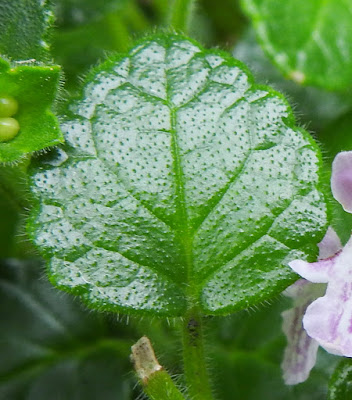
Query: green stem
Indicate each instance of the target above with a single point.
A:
(161, 387)
(196, 374)
(180, 15)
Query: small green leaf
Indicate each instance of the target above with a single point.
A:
(310, 41)
(24, 27)
(50, 347)
(340, 385)
(27, 92)
(182, 184)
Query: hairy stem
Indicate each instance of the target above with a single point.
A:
(180, 15)
(196, 374)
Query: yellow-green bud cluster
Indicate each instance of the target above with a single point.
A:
(9, 126)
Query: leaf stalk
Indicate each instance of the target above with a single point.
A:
(195, 370)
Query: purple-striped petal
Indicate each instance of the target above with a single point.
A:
(301, 350)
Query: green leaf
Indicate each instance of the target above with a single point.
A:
(340, 385)
(50, 347)
(24, 27)
(182, 184)
(34, 87)
(308, 40)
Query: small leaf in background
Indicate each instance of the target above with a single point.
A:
(51, 348)
(340, 385)
(24, 27)
(310, 41)
(181, 181)
(33, 88)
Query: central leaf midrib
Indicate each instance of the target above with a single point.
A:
(182, 231)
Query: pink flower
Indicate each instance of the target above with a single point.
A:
(301, 350)
(324, 300)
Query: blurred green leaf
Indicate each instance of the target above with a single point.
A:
(337, 136)
(81, 12)
(248, 351)
(88, 31)
(226, 20)
(310, 41)
(24, 27)
(14, 203)
(50, 347)
(177, 169)
(340, 385)
(313, 107)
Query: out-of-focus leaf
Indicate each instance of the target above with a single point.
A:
(78, 48)
(181, 182)
(340, 385)
(337, 136)
(82, 12)
(88, 31)
(50, 347)
(14, 203)
(226, 20)
(248, 351)
(310, 41)
(24, 27)
(9, 220)
(314, 107)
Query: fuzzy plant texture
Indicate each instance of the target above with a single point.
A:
(169, 189)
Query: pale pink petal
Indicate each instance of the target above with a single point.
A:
(301, 350)
(318, 272)
(341, 179)
(330, 245)
(329, 319)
